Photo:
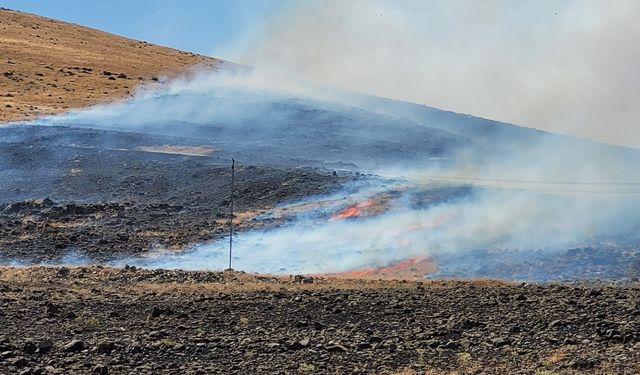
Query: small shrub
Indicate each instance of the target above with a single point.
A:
(87, 322)
(306, 368)
(244, 321)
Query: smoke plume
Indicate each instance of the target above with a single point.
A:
(523, 191)
(567, 66)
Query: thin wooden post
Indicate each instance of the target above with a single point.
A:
(233, 182)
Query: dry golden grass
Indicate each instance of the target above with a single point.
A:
(49, 66)
(233, 282)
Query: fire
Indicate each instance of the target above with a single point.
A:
(369, 207)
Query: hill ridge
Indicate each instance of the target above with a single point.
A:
(49, 66)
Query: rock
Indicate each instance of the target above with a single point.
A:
(451, 345)
(100, 370)
(364, 346)
(105, 347)
(336, 348)
(318, 326)
(74, 346)
(374, 339)
(63, 271)
(594, 293)
(158, 311)
(298, 344)
(29, 347)
(583, 363)
(44, 346)
(156, 334)
(558, 323)
(51, 309)
(19, 362)
(500, 341)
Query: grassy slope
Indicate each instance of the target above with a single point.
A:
(49, 66)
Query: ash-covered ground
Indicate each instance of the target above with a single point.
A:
(114, 184)
(82, 195)
(103, 192)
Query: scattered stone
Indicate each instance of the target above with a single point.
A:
(100, 370)
(63, 271)
(29, 347)
(74, 346)
(158, 311)
(319, 326)
(336, 348)
(19, 362)
(44, 346)
(501, 341)
(105, 347)
(451, 345)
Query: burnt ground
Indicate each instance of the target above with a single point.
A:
(106, 194)
(70, 191)
(124, 321)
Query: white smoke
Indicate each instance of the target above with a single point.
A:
(546, 193)
(565, 66)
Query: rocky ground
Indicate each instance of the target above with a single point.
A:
(130, 321)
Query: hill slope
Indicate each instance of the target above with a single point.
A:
(48, 66)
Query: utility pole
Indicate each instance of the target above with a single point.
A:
(233, 182)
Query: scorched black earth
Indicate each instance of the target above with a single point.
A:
(99, 195)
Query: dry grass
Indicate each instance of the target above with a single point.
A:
(233, 282)
(49, 66)
(556, 357)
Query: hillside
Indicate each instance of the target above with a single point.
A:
(49, 66)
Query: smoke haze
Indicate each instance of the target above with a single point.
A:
(527, 191)
(566, 66)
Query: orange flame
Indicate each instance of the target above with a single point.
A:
(369, 207)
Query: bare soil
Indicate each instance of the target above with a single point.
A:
(97, 320)
(49, 66)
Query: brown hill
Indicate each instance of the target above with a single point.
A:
(48, 66)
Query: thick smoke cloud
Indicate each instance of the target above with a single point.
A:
(565, 66)
(528, 191)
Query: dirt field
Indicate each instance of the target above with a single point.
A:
(48, 66)
(121, 321)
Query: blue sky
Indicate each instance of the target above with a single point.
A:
(209, 27)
